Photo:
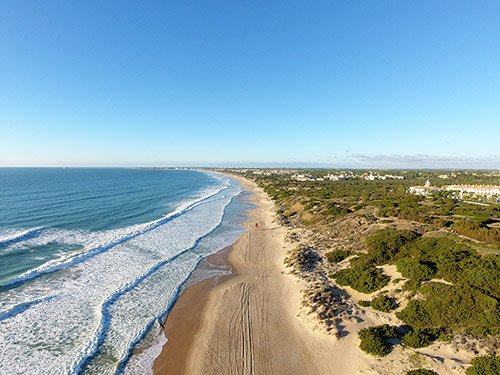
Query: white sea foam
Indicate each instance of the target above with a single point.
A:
(142, 363)
(11, 236)
(95, 242)
(90, 315)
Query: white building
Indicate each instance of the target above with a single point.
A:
(424, 190)
(475, 189)
(302, 177)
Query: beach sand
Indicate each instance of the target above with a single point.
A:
(184, 320)
(243, 325)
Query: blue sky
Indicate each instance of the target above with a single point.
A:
(323, 83)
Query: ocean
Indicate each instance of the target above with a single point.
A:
(92, 259)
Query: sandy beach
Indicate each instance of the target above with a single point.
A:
(253, 322)
(245, 326)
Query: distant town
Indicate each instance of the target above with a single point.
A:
(476, 186)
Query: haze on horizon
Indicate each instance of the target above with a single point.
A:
(335, 84)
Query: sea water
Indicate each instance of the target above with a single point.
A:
(92, 259)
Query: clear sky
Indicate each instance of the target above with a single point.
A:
(322, 83)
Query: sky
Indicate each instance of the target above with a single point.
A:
(338, 83)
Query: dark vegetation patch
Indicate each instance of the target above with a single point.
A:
(363, 278)
(383, 303)
(470, 304)
(420, 338)
(486, 365)
(337, 256)
(420, 371)
(375, 340)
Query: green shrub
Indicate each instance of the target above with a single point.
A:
(364, 278)
(337, 256)
(385, 244)
(411, 285)
(359, 206)
(382, 303)
(415, 269)
(477, 229)
(486, 365)
(420, 371)
(419, 338)
(376, 346)
(334, 210)
(374, 339)
(354, 260)
(363, 303)
(445, 336)
(464, 309)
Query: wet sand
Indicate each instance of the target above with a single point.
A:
(184, 320)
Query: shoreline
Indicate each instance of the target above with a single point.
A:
(184, 319)
(242, 324)
(183, 322)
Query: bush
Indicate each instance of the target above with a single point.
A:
(415, 269)
(382, 303)
(462, 309)
(363, 278)
(376, 346)
(419, 338)
(385, 244)
(337, 256)
(374, 339)
(334, 210)
(420, 371)
(486, 365)
(478, 230)
(363, 303)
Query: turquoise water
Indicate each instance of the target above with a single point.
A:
(90, 259)
(35, 202)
